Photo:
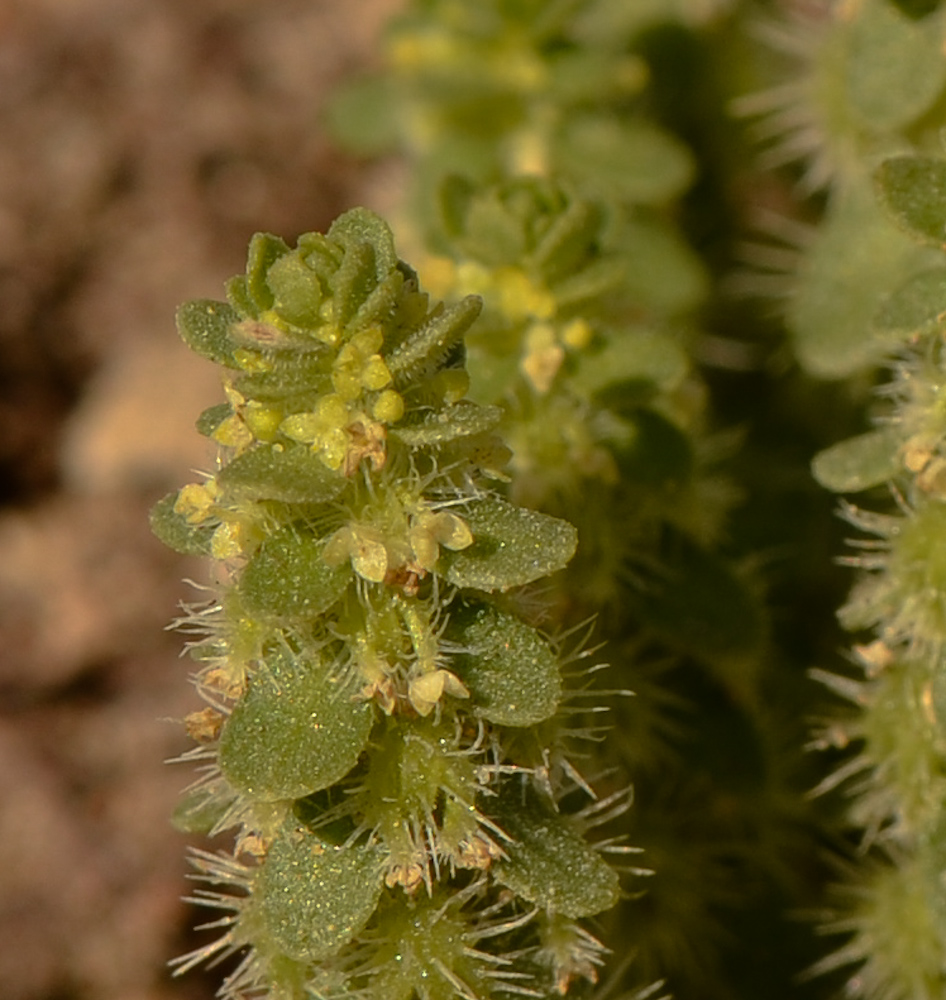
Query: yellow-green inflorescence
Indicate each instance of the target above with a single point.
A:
(380, 728)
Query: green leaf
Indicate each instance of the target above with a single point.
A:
(436, 428)
(859, 462)
(697, 603)
(360, 226)
(298, 728)
(895, 66)
(315, 897)
(549, 863)
(264, 250)
(511, 546)
(212, 418)
(423, 351)
(297, 291)
(201, 809)
(667, 277)
(176, 532)
(916, 307)
(291, 473)
(204, 325)
(566, 243)
(628, 159)
(293, 377)
(858, 257)
(511, 671)
(657, 452)
(288, 579)
(635, 361)
(579, 291)
(913, 188)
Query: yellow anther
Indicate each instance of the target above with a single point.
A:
(195, 501)
(229, 540)
(388, 407)
(426, 690)
(233, 433)
(577, 334)
(324, 429)
(262, 419)
(451, 532)
(364, 546)
(521, 298)
(359, 366)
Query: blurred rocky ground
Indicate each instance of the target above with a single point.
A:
(142, 142)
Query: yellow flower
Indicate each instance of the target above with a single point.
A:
(427, 689)
(359, 367)
(324, 429)
(543, 357)
(196, 500)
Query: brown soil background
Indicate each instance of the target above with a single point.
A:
(142, 142)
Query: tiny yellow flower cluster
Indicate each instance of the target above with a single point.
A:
(379, 554)
(339, 430)
(525, 302)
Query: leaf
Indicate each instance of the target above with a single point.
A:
(287, 578)
(913, 189)
(291, 473)
(918, 306)
(657, 453)
(421, 353)
(511, 546)
(549, 863)
(511, 671)
(201, 809)
(176, 532)
(463, 419)
(360, 226)
(212, 418)
(895, 67)
(858, 257)
(264, 250)
(204, 325)
(314, 897)
(297, 291)
(668, 277)
(298, 728)
(628, 159)
(631, 359)
(859, 462)
(697, 603)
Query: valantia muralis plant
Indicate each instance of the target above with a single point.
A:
(384, 724)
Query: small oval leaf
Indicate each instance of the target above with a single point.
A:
(895, 66)
(511, 671)
(917, 306)
(287, 578)
(298, 728)
(859, 462)
(463, 419)
(204, 325)
(511, 546)
(314, 897)
(549, 863)
(291, 473)
(913, 189)
(177, 532)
